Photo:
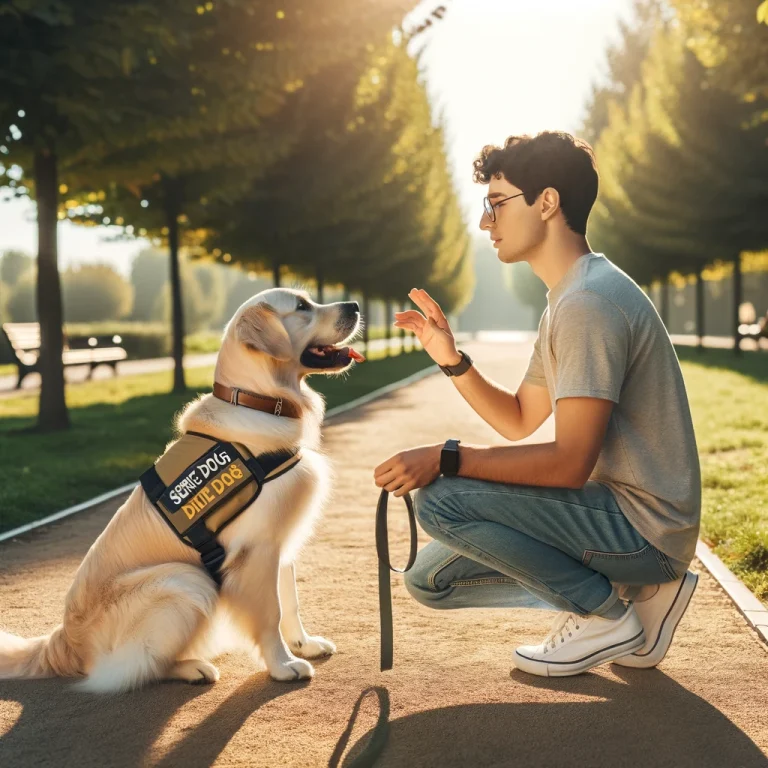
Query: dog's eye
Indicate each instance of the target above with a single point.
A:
(303, 305)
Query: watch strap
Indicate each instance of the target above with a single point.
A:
(459, 368)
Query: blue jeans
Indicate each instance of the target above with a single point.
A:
(519, 546)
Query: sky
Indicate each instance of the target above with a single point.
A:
(494, 67)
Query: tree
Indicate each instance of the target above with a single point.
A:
(95, 292)
(221, 112)
(14, 265)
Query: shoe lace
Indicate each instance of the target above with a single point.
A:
(564, 623)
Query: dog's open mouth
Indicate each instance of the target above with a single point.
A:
(329, 356)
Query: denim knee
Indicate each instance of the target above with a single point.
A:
(425, 500)
(417, 583)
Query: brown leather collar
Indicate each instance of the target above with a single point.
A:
(277, 406)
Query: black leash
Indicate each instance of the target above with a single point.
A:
(385, 566)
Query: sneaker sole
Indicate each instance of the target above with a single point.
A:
(566, 669)
(676, 611)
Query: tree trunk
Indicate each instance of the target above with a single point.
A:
(52, 413)
(388, 322)
(664, 302)
(403, 308)
(276, 273)
(366, 315)
(700, 309)
(172, 212)
(319, 278)
(737, 299)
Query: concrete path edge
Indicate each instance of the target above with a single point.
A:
(742, 597)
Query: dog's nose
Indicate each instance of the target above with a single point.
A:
(353, 306)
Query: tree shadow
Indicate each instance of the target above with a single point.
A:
(60, 727)
(648, 719)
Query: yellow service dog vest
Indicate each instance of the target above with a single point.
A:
(201, 484)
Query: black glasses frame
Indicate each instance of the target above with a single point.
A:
(490, 208)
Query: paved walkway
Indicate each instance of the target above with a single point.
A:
(453, 700)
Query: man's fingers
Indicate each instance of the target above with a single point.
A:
(385, 477)
(427, 303)
(410, 315)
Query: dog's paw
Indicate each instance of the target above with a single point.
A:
(298, 669)
(194, 671)
(313, 647)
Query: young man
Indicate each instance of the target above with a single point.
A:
(602, 523)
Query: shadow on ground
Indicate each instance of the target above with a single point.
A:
(646, 718)
(67, 728)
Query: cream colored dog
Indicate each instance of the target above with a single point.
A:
(141, 607)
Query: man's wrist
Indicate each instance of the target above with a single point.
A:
(455, 361)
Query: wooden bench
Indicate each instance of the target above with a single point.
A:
(20, 344)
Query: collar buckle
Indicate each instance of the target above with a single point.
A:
(233, 398)
(279, 406)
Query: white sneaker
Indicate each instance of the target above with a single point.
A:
(660, 616)
(578, 643)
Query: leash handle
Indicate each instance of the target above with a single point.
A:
(385, 566)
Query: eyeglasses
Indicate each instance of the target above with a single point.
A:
(490, 208)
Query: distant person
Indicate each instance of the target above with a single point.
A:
(601, 523)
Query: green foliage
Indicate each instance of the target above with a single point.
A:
(684, 172)
(95, 292)
(14, 265)
(21, 307)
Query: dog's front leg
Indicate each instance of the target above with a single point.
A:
(252, 590)
(302, 644)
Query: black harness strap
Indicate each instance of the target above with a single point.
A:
(385, 566)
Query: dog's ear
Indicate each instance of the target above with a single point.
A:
(260, 328)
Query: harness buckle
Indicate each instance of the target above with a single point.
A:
(234, 396)
(279, 406)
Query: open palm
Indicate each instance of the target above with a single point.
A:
(431, 328)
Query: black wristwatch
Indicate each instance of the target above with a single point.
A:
(449, 458)
(459, 368)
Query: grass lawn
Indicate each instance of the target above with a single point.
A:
(729, 402)
(119, 426)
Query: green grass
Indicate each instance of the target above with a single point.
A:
(729, 403)
(119, 426)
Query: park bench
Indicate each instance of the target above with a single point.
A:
(20, 344)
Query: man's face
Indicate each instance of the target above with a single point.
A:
(518, 228)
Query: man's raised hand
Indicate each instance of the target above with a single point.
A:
(431, 328)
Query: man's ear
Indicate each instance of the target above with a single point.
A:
(260, 328)
(550, 203)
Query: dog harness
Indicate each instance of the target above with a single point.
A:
(201, 484)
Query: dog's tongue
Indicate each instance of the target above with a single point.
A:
(354, 354)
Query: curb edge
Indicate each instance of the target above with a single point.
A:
(755, 613)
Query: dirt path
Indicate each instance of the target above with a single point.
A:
(453, 701)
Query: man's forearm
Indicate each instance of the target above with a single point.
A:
(497, 406)
(541, 464)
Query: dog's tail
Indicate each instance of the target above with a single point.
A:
(46, 656)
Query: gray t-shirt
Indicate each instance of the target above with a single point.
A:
(601, 336)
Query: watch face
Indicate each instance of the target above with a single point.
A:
(449, 461)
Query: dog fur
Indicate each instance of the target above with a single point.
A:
(141, 607)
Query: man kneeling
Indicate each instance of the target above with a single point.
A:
(602, 523)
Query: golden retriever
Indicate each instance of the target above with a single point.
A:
(141, 607)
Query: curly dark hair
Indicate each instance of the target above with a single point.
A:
(549, 159)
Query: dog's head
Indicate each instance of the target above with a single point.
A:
(288, 327)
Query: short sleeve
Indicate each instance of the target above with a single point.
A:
(590, 342)
(535, 372)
